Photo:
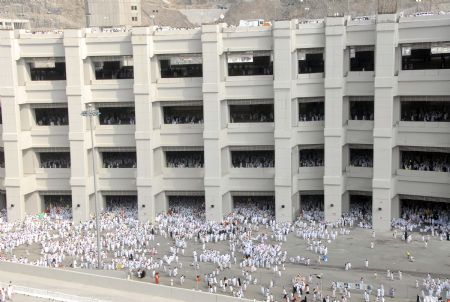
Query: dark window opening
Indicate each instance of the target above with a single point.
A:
(421, 59)
(54, 160)
(117, 116)
(423, 111)
(169, 70)
(253, 159)
(2, 159)
(361, 158)
(262, 113)
(313, 63)
(183, 114)
(108, 70)
(243, 203)
(362, 61)
(312, 203)
(194, 205)
(184, 159)
(51, 116)
(425, 161)
(311, 111)
(57, 201)
(361, 110)
(121, 203)
(311, 157)
(424, 213)
(261, 65)
(56, 73)
(360, 210)
(113, 160)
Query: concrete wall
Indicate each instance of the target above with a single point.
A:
(144, 288)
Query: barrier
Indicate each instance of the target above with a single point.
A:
(50, 295)
(137, 287)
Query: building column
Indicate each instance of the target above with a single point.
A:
(143, 95)
(81, 179)
(283, 58)
(386, 43)
(14, 177)
(335, 43)
(212, 50)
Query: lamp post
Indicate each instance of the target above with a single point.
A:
(90, 113)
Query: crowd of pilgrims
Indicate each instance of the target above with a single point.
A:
(361, 159)
(251, 117)
(254, 241)
(313, 111)
(185, 117)
(426, 161)
(423, 217)
(123, 116)
(426, 112)
(119, 160)
(184, 159)
(361, 110)
(52, 117)
(54, 160)
(311, 158)
(252, 159)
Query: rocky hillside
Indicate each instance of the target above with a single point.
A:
(70, 13)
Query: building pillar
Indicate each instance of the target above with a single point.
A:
(212, 95)
(14, 177)
(143, 93)
(386, 43)
(345, 202)
(81, 179)
(283, 58)
(335, 43)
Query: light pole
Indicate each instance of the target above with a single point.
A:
(418, 1)
(90, 113)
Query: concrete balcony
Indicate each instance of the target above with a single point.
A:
(423, 82)
(179, 135)
(308, 85)
(182, 179)
(306, 133)
(423, 183)
(251, 179)
(250, 134)
(115, 135)
(112, 90)
(360, 83)
(309, 178)
(425, 134)
(179, 89)
(48, 136)
(249, 87)
(44, 91)
(359, 132)
(117, 179)
(53, 179)
(358, 178)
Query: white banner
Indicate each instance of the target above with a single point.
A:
(440, 49)
(240, 58)
(185, 60)
(406, 51)
(44, 63)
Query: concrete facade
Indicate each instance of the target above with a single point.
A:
(110, 13)
(23, 181)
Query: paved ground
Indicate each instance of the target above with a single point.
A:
(388, 253)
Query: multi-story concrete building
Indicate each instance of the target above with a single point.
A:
(332, 109)
(111, 13)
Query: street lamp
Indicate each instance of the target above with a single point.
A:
(90, 113)
(418, 1)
